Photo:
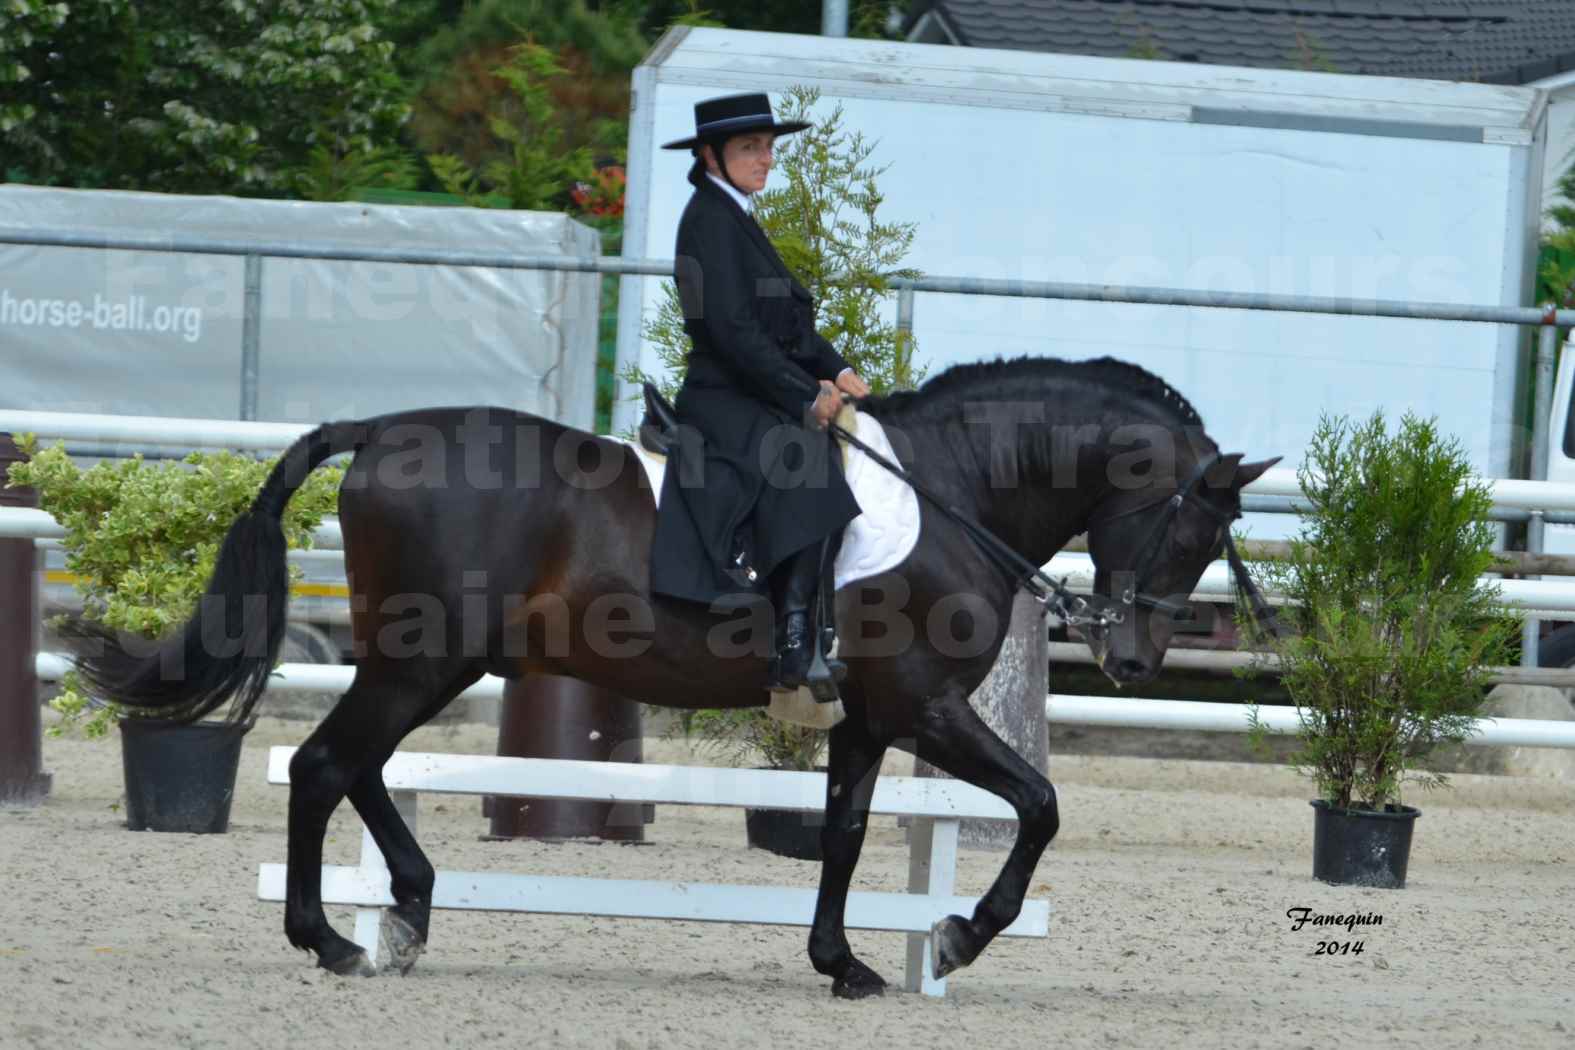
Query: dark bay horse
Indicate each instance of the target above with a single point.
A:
(486, 540)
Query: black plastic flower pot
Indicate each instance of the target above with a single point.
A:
(180, 777)
(785, 832)
(1362, 847)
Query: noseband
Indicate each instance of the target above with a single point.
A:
(1136, 594)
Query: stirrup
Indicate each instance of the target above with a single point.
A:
(821, 675)
(824, 674)
(821, 679)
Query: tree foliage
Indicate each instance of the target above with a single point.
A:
(459, 94)
(1556, 273)
(1391, 630)
(536, 171)
(866, 18)
(607, 34)
(824, 224)
(192, 97)
(24, 25)
(328, 175)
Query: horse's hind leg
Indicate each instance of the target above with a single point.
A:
(850, 782)
(953, 737)
(353, 742)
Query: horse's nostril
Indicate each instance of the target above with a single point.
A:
(1131, 669)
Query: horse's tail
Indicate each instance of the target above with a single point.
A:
(199, 666)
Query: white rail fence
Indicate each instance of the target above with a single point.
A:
(1544, 598)
(1131, 712)
(936, 808)
(1550, 598)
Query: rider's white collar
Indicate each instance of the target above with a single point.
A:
(738, 198)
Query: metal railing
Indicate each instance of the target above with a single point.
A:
(1546, 319)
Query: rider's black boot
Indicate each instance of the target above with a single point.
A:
(800, 659)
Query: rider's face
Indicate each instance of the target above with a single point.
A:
(749, 159)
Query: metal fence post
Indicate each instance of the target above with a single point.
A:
(1547, 345)
(834, 18)
(905, 328)
(251, 337)
(905, 310)
(23, 781)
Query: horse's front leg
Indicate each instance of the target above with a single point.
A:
(953, 737)
(411, 877)
(850, 782)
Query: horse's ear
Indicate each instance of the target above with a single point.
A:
(1223, 473)
(1247, 473)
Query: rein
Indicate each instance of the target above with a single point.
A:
(1052, 595)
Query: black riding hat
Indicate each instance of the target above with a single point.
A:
(730, 115)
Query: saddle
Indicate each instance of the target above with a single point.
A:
(658, 432)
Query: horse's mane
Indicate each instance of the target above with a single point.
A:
(1024, 378)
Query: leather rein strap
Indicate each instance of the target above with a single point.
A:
(1052, 595)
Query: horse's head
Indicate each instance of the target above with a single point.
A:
(1150, 546)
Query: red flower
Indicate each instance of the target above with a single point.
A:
(604, 195)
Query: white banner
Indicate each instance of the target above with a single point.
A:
(159, 333)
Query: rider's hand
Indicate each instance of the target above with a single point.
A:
(826, 406)
(850, 382)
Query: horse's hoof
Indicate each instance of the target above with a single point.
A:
(404, 944)
(355, 964)
(949, 945)
(860, 982)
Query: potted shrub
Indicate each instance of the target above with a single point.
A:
(141, 541)
(1389, 632)
(744, 733)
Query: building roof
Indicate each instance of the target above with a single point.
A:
(1492, 41)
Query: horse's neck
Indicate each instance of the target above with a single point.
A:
(1033, 508)
(1040, 515)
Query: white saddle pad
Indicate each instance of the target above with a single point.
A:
(884, 534)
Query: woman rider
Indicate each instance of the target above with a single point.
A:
(757, 493)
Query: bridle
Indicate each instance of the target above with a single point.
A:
(1136, 594)
(1097, 614)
